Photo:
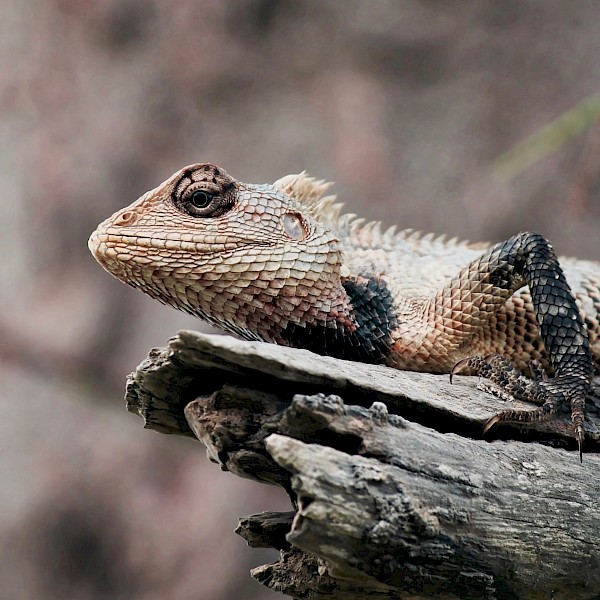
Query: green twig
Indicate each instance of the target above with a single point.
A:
(548, 139)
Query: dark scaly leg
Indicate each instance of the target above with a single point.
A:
(510, 383)
(529, 259)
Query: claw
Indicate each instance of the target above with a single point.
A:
(491, 422)
(579, 435)
(459, 366)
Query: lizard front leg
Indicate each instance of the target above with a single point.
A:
(483, 287)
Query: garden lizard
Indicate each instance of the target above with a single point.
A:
(281, 263)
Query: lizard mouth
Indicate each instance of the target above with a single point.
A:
(186, 243)
(114, 249)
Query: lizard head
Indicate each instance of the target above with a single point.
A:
(243, 257)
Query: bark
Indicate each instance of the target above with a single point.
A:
(396, 494)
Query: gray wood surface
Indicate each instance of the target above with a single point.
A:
(396, 493)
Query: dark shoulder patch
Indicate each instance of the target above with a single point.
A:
(364, 337)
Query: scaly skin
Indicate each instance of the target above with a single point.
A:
(278, 263)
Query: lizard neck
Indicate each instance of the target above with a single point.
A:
(358, 326)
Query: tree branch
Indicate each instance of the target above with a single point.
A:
(395, 493)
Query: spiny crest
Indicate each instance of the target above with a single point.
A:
(310, 191)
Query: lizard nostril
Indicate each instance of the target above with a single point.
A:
(125, 218)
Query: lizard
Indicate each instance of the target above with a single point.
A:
(282, 263)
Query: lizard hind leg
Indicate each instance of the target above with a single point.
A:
(482, 289)
(510, 384)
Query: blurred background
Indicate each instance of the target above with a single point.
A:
(422, 111)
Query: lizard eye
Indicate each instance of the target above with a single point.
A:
(201, 203)
(201, 199)
(203, 192)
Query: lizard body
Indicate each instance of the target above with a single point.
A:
(280, 263)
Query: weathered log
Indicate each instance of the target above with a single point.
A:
(396, 493)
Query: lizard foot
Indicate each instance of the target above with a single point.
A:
(510, 384)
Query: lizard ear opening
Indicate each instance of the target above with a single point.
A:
(294, 226)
